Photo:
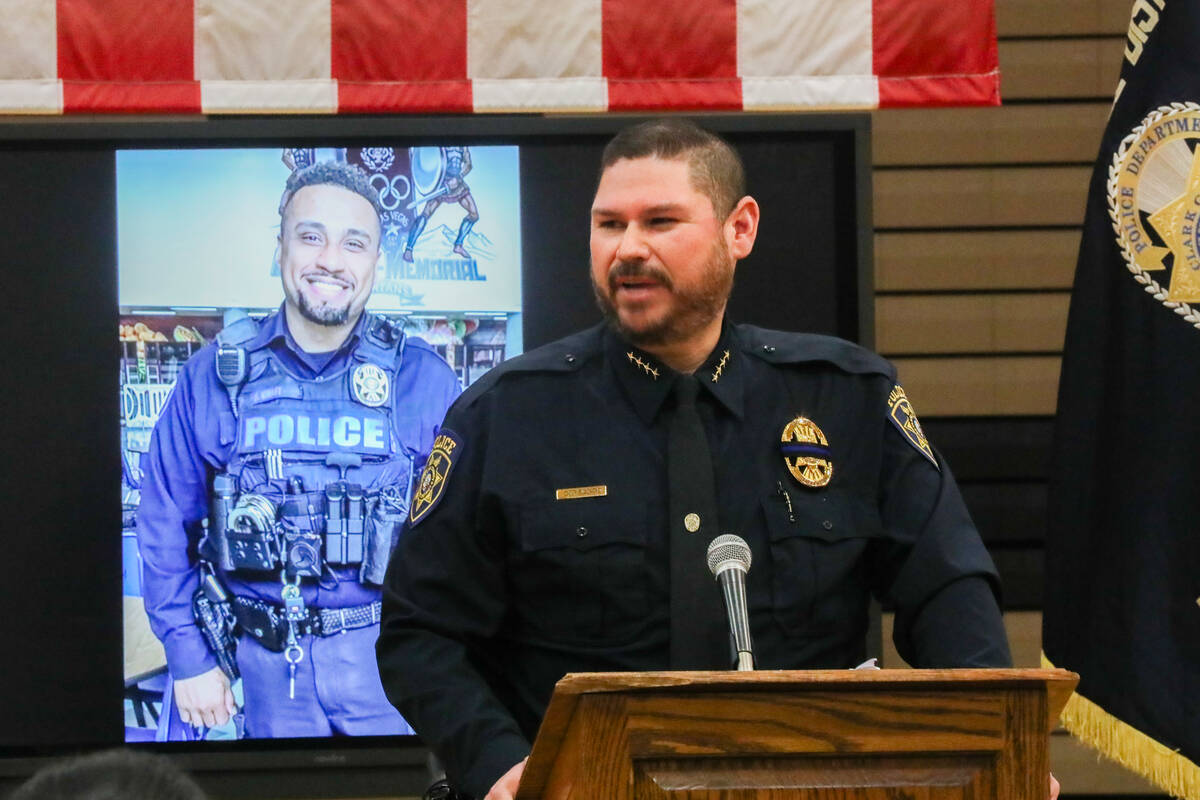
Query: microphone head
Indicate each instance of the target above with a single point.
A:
(728, 551)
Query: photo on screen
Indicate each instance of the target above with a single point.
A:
(198, 254)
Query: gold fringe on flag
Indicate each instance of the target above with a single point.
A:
(1129, 747)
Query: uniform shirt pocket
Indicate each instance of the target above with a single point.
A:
(579, 573)
(820, 577)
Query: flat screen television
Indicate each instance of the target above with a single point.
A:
(133, 242)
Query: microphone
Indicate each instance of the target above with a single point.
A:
(729, 561)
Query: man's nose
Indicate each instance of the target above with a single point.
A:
(632, 246)
(329, 257)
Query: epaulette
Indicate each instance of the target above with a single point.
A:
(239, 331)
(562, 355)
(782, 347)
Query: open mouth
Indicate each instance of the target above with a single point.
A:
(326, 285)
(636, 289)
(637, 282)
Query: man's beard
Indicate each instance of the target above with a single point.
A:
(323, 314)
(693, 308)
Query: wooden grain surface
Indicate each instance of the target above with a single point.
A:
(618, 721)
(890, 718)
(980, 197)
(1023, 18)
(927, 778)
(915, 261)
(971, 323)
(1059, 69)
(666, 681)
(1007, 134)
(981, 386)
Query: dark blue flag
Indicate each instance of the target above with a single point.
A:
(1122, 601)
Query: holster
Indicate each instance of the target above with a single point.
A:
(214, 617)
(382, 532)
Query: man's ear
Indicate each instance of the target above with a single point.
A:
(741, 227)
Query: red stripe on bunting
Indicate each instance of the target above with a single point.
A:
(412, 97)
(400, 55)
(114, 97)
(125, 55)
(699, 95)
(940, 90)
(683, 55)
(954, 43)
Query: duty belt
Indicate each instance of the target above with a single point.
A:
(266, 621)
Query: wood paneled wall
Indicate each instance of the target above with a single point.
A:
(978, 214)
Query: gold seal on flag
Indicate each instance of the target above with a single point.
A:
(806, 453)
(1154, 202)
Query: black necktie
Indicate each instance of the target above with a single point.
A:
(699, 631)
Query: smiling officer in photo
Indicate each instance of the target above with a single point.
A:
(278, 477)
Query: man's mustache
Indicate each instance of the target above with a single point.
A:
(637, 269)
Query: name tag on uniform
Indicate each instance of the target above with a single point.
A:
(579, 492)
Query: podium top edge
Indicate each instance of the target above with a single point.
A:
(600, 682)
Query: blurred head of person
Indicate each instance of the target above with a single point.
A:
(111, 775)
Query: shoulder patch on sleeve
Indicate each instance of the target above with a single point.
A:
(447, 448)
(900, 412)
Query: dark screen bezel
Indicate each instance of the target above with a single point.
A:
(93, 311)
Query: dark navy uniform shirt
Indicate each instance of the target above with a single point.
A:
(500, 589)
(192, 440)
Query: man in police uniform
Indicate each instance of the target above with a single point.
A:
(298, 439)
(542, 531)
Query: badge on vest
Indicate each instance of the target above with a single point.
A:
(900, 412)
(806, 453)
(370, 385)
(431, 487)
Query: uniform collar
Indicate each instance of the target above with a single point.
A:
(274, 334)
(274, 329)
(647, 381)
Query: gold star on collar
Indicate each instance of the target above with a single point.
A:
(716, 376)
(649, 370)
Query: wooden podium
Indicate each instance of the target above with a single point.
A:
(844, 734)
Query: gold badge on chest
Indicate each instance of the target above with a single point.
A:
(806, 453)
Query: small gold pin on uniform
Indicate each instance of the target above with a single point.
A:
(578, 492)
(716, 376)
(806, 453)
(692, 522)
(646, 368)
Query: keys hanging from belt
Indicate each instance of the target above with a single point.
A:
(294, 611)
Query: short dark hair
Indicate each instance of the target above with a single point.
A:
(332, 173)
(714, 166)
(111, 775)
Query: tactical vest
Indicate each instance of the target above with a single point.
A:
(318, 481)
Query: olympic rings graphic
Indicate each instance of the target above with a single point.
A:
(390, 195)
